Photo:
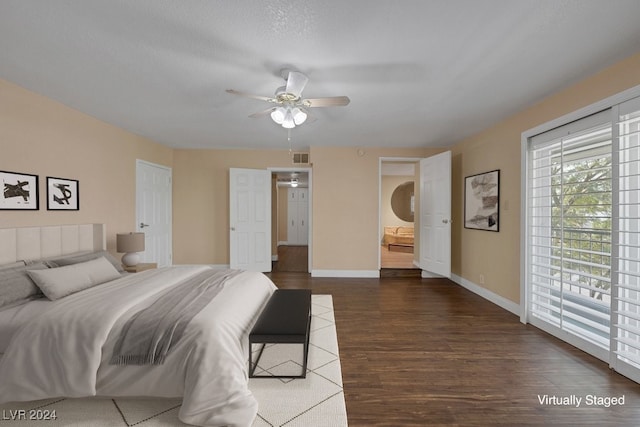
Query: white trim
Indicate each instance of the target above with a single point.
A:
(274, 257)
(498, 300)
(429, 275)
(216, 266)
(524, 226)
(596, 107)
(346, 273)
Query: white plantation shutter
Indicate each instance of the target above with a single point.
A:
(569, 235)
(626, 333)
(582, 266)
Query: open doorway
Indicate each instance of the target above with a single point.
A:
(291, 231)
(398, 203)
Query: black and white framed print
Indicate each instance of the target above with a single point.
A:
(481, 201)
(19, 191)
(63, 194)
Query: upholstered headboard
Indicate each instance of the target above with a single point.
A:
(31, 243)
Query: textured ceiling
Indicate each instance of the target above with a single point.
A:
(419, 73)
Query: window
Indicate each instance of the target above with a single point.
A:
(570, 228)
(582, 244)
(626, 340)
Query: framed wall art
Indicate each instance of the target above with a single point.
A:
(482, 201)
(63, 194)
(19, 191)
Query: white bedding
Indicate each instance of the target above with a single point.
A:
(64, 351)
(13, 317)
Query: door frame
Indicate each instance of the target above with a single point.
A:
(415, 161)
(137, 227)
(309, 172)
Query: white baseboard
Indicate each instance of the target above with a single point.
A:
(429, 275)
(274, 257)
(221, 266)
(216, 266)
(488, 295)
(346, 273)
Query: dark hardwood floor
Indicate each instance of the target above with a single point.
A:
(419, 352)
(292, 259)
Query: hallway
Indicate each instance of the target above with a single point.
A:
(292, 259)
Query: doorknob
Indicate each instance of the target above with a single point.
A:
(445, 221)
(233, 229)
(143, 225)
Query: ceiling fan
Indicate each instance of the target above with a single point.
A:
(290, 109)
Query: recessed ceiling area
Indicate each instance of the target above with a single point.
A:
(418, 73)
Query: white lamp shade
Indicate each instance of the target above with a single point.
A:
(288, 122)
(277, 115)
(299, 116)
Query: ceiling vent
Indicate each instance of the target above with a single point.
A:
(300, 158)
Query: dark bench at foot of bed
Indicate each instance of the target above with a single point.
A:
(286, 319)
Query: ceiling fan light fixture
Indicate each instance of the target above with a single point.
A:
(278, 115)
(288, 122)
(291, 109)
(299, 116)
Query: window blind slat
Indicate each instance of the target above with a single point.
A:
(627, 301)
(570, 227)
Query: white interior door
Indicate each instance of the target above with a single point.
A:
(250, 219)
(153, 212)
(297, 217)
(435, 214)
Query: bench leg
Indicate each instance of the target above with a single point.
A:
(252, 366)
(306, 348)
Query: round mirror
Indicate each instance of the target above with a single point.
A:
(402, 201)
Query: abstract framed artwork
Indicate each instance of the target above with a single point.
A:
(482, 201)
(19, 191)
(63, 194)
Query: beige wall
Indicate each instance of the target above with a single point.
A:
(43, 137)
(283, 207)
(40, 136)
(345, 205)
(201, 199)
(497, 255)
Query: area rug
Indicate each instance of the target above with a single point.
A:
(315, 401)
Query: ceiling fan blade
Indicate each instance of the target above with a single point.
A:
(248, 95)
(332, 101)
(262, 113)
(296, 81)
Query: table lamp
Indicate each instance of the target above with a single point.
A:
(130, 244)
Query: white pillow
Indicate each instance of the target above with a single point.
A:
(59, 282)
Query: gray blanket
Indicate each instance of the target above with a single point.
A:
(148, 335)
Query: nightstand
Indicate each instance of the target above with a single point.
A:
(140, 267)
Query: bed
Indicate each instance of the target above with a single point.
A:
(67, 346)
